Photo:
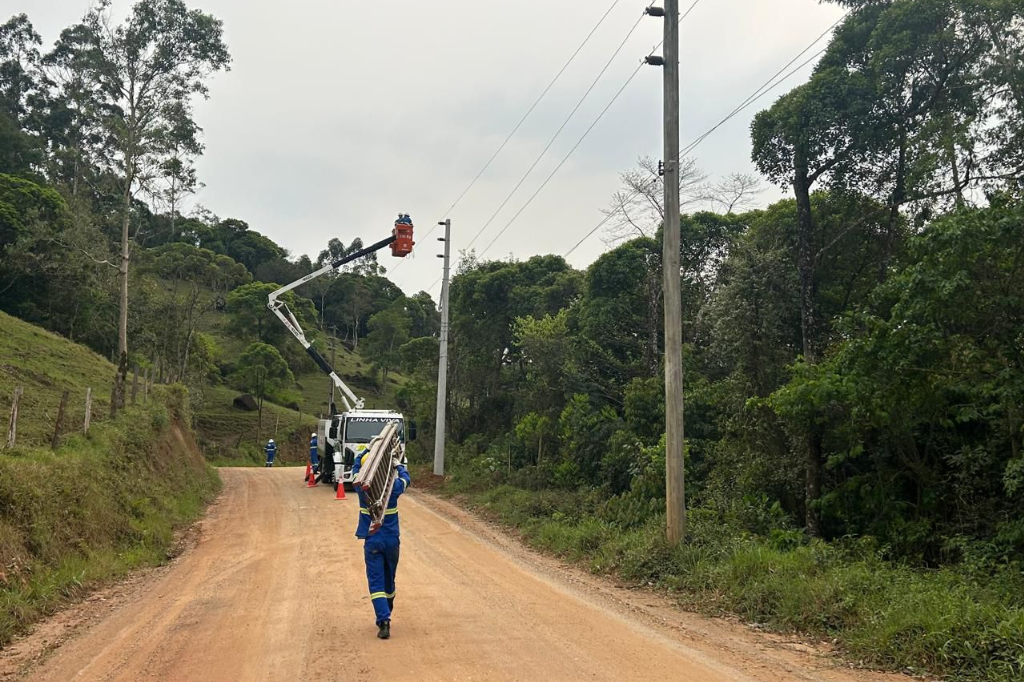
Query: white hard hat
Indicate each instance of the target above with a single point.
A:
(271, 440)
(312, 435)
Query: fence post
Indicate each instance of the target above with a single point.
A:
(135, 383)
(60, 420)
(88, 411)
(12, 428)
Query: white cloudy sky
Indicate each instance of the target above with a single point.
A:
(337, 114)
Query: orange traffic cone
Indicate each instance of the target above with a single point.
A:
(309, 470)
(341, 491)
(312, 480)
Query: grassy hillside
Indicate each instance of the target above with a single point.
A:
(45, 365)
(234, 437)
(99, 505)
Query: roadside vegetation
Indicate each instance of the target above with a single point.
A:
(960, 622)
(99, 505)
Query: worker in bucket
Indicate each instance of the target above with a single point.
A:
(380, 549)
(271, 451)
(314, 459)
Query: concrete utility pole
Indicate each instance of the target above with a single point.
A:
(442, 363)
(675, 500)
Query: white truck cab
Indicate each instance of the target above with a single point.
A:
(347, 435)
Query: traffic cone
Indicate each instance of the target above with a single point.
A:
(341, 491)
(311, 483)
(309, 470)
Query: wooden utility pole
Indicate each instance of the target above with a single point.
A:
(442, 361)
(12, 427)
(55, 442)
(88, 411)
(675, 500)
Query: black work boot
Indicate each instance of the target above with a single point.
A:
(384, 629)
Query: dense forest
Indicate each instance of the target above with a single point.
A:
(854, 354)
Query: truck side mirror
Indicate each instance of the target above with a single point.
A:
(412, 430)
(332, 433)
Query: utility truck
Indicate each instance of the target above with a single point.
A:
(346, 434)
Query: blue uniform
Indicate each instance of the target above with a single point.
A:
(313, 458)
(381, 549)
(271, 451)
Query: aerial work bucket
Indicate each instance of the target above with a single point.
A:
(402, 246)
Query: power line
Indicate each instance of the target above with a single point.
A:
(558, 133)
(529, 111)
(571, 151)
(564, 159)
(693, 145)
(768, 86)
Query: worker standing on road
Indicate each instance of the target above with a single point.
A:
(314, 460)
(271, 451)
(381, 548)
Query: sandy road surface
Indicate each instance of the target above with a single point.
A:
(243, 605)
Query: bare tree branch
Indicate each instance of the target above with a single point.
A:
(736, 191)
(636, 209)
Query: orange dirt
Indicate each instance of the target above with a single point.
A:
(250, 602)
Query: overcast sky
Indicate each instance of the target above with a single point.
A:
(337, 115)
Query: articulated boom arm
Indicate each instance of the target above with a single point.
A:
(280, 308)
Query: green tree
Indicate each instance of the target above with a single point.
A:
(144, 74)
(419, 357)
(261, 371)
(187, 273)
(19, 86)
(251, 320)
(549, 364)
(389, 331)
(921, 402)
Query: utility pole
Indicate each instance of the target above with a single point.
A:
(442, 363)
(675, 500)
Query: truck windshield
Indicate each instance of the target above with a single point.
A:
(363, 429)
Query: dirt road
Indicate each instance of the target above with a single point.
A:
(248, 602)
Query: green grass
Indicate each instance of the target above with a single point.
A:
(45, 365)
(100, 505)
(950, 622)
(233, 437)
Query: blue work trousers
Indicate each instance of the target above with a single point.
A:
(381, 555)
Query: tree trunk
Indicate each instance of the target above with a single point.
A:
(899, 195)
(653, 315)
(117, 401)
(955, 168)
(805, 266)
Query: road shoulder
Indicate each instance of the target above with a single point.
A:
(725, 640)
